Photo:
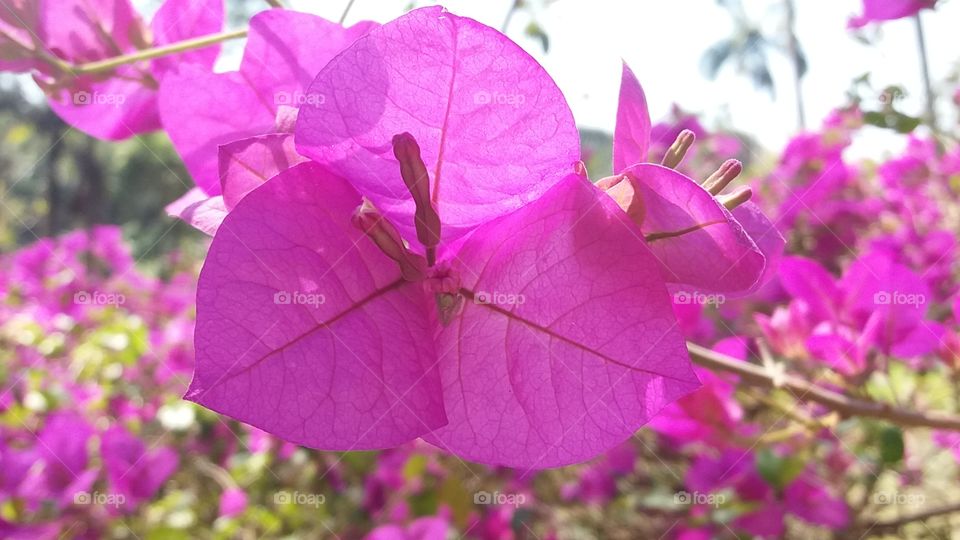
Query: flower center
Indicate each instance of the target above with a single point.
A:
(622, 190)
(436, 279)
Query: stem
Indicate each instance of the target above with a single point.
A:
(275, 4)
(217, 473)
(59, 63)
(509, 17)
(108, 64)
(803, 390)
(346, 10)
(892, 525)
(925, 69)
(793, 49)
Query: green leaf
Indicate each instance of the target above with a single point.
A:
(891, 445)
(167, 533)
(897, 121)
(455, 495)
(414, 467)
(534, 30)
(776, 470)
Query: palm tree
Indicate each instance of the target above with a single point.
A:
(747, 48)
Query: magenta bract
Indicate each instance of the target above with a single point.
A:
(494, 129)
(307, 330)
(122, 103)
(202, 110)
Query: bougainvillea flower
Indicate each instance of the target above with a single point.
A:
(64, 461)
(18, 23)
(494, 129)
(874, 283)
(244, 165)
(843, 348)
(16, 466)
(704, 240)
(199, 210)
(710, 414)
(133, 471)
(804, 496)
(425, 528)
(631, 136)
(877, 304)
(285, 50)
(120, 103)
(807, 280)
(949, 440)
(317, 322)
(888, 10)
(597, 483)
(233, 501)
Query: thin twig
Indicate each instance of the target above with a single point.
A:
(506, 21)
(930, 113)
(803, 390)
(895, 524)
(346, 10)
(173, 48)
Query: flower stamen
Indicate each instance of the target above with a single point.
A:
(369, 220)
(417, 180)
(678, 149)
(735, 198)
(719, 180)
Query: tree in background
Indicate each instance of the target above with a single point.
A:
(747, 49)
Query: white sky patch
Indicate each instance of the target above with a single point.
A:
(664, 41)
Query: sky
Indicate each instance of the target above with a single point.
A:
(663, 42)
